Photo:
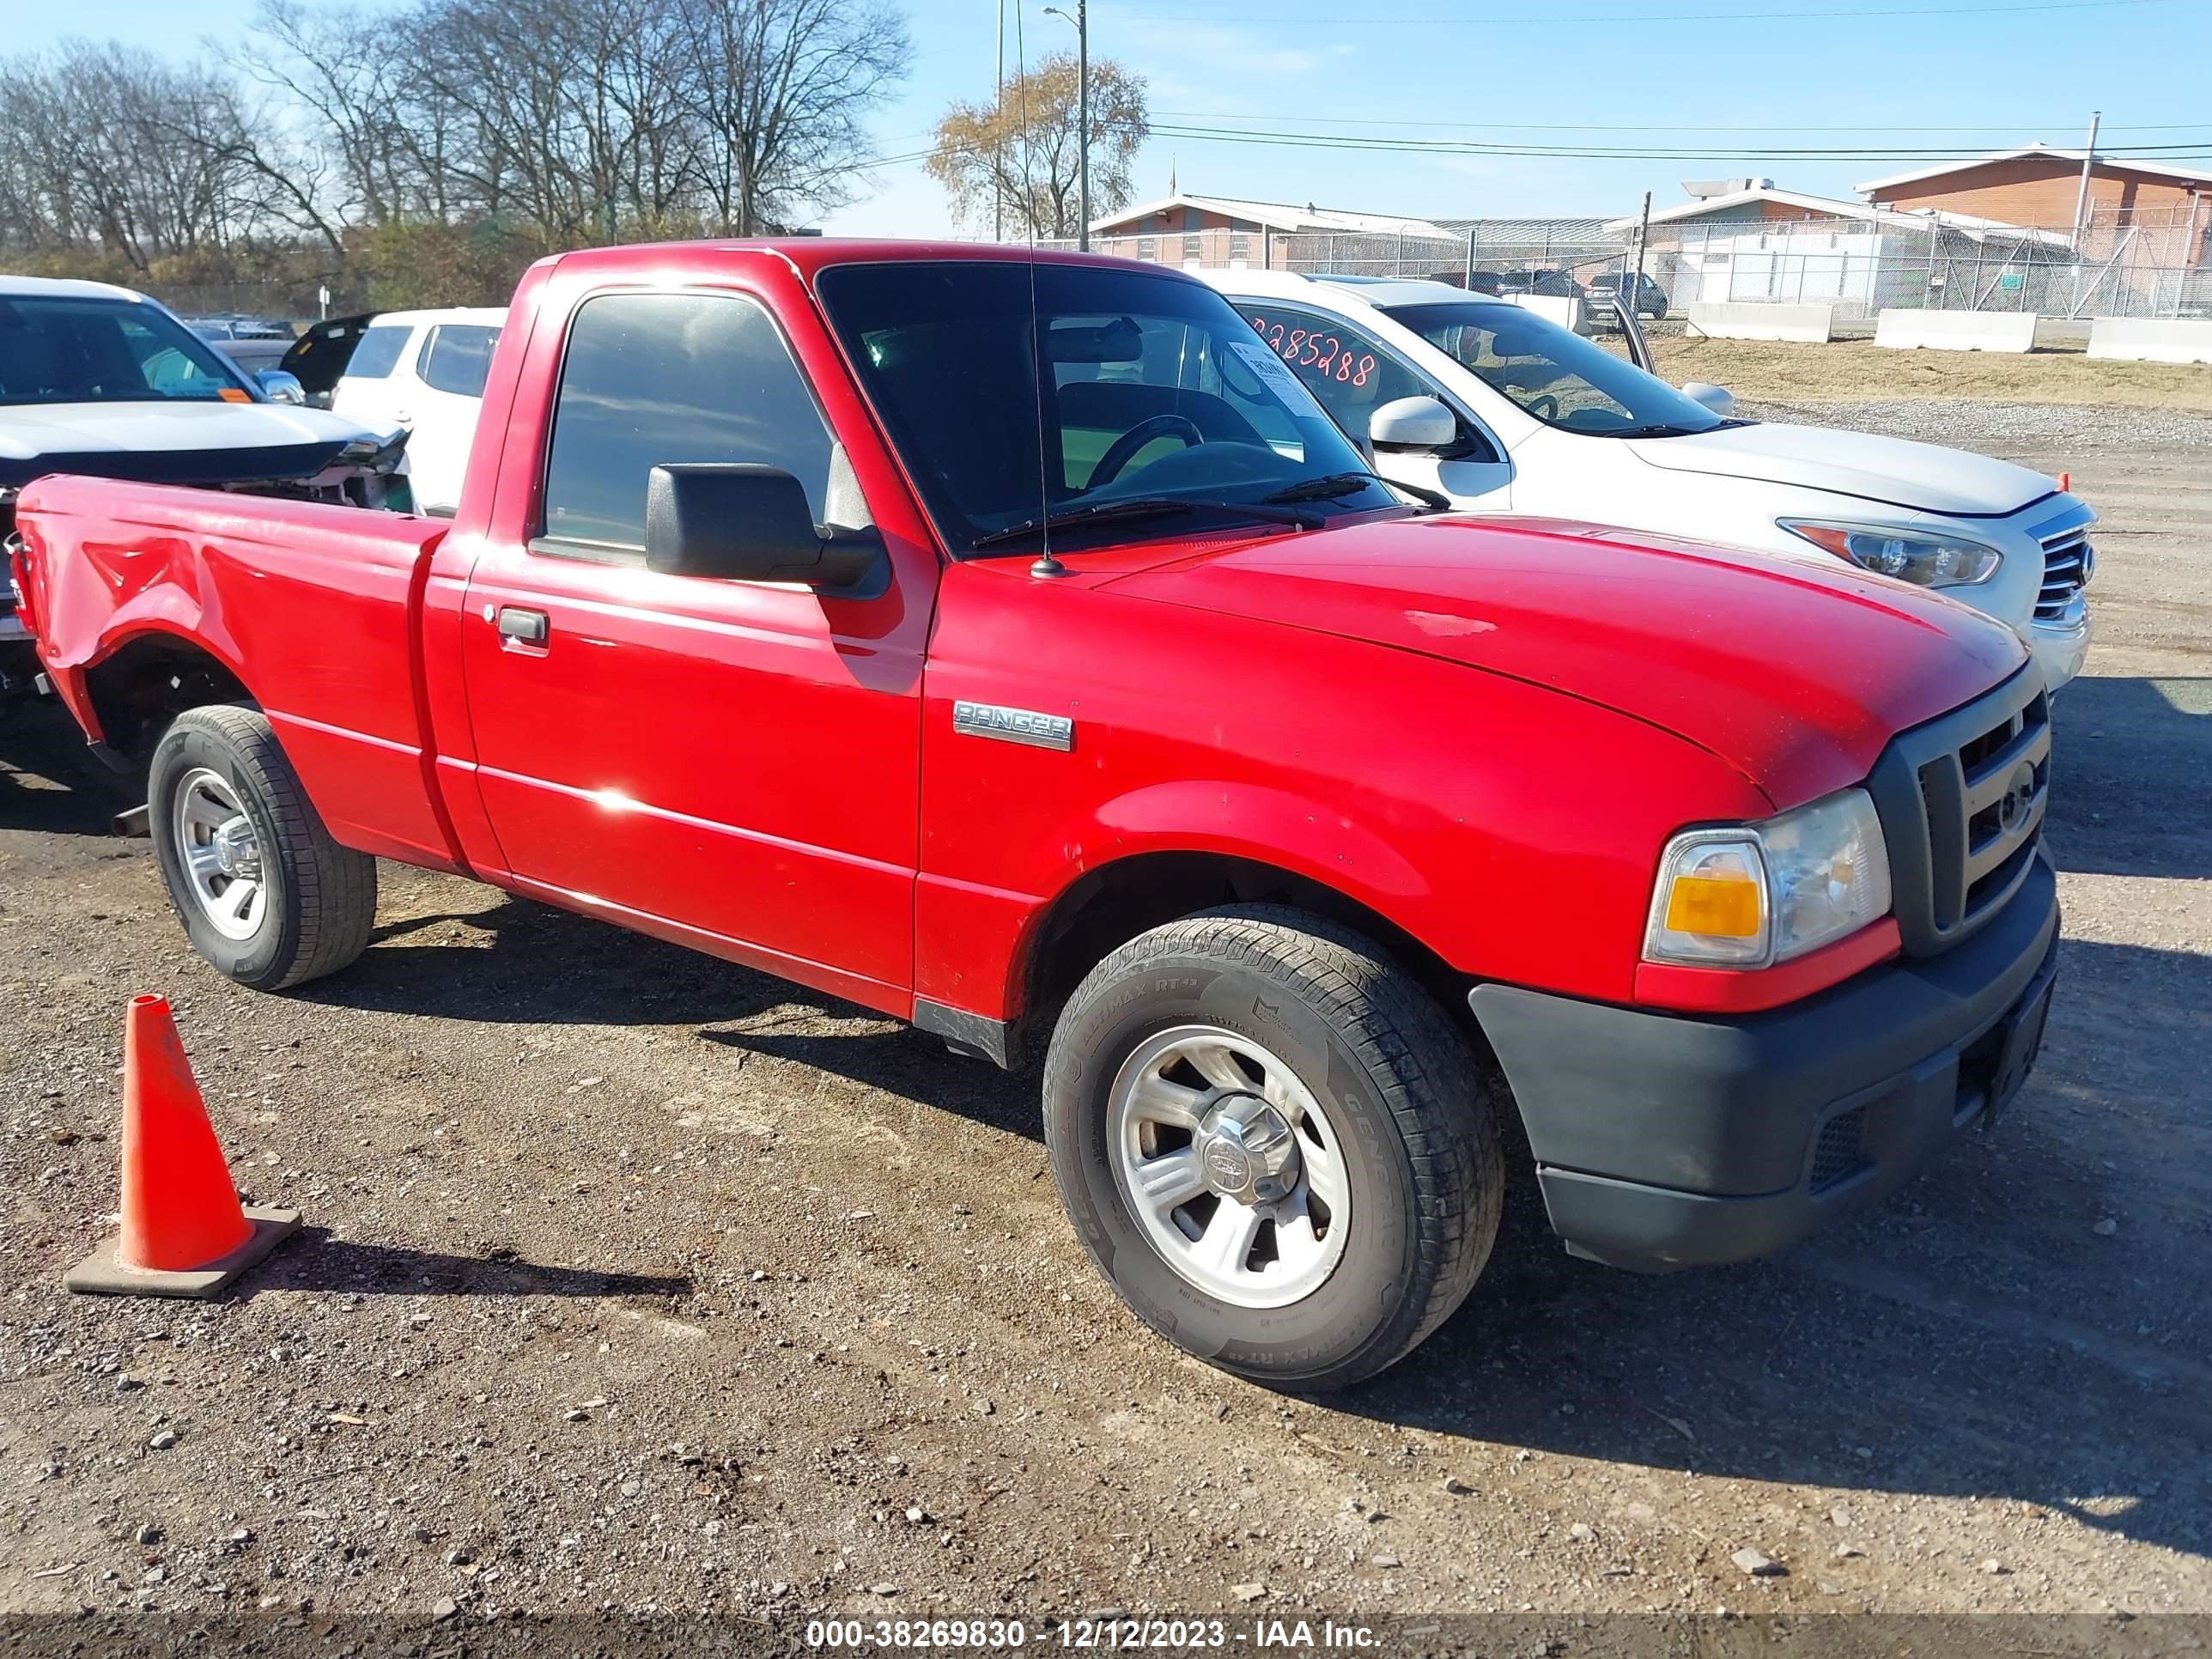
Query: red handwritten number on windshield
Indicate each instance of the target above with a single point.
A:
(1302, 350)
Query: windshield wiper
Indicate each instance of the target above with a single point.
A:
(1134, 506)
(1662, 430)
(1142, 506)
(1327, 489)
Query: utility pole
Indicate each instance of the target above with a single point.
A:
(1081, 19)
(1083, 121)
(1643, 236)
(2088, 161)
(998, 124)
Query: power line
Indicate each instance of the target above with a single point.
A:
(2039, 119)
(1616, 152)
(1612, 18)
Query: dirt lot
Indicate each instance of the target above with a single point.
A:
(638, 1281)
(1765, 369)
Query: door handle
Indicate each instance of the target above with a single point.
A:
(523, 627)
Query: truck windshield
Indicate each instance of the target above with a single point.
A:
(1554, 374)
(1151, 388)
(57, 349)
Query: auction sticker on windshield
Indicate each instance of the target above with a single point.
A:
(1289, 390)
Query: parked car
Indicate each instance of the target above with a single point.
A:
(103, 380)
(258, 347)
(424, 370)
(793, 617)
(1559, 284)
(1505, 412)
(1633, 289)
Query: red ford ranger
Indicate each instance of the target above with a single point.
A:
(1016, 647)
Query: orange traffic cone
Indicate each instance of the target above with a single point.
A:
(184, 1233)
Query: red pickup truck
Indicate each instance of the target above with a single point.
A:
(1015, 647)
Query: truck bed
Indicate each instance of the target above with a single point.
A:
(315, 609)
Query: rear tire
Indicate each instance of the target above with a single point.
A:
(265, 894)
(1311, 1269)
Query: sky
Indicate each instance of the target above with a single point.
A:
(1710, 75)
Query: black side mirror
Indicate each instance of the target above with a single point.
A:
(734, 521)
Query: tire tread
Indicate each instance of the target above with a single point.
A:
(336, 895)
(1430, 1078)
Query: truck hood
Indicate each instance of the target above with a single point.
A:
(1796, 674)
(1922, 478)
(173, 442)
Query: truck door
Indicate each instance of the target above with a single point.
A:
(732, 764)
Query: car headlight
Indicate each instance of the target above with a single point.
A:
(1927, 558)
(1762, 893)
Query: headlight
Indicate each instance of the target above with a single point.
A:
(1750, 896)
(1927, 558)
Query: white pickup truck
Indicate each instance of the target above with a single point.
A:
(105, 381)
(1504, 412)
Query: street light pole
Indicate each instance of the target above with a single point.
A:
(998, 130)
(1081, 19)
(1083, 121)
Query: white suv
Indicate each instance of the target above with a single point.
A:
(424, 370)
(1504, 412)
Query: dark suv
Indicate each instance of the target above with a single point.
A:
(1651, 298)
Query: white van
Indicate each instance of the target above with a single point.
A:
(1481, 400)
(424, 370)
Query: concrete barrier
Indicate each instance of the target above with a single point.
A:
(1752, 321)
(2145, 340)
(1564, 309)
(1957, 331)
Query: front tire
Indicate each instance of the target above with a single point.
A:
(265, 894)
(1273, 1143)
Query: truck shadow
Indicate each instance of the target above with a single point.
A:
(1972, 1337)
(48, 783)
(1975, 1336)
(2132, 790)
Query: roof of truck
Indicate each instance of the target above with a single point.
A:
(809, 254)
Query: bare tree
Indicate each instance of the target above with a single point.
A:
(1026, 151)
(781, 90)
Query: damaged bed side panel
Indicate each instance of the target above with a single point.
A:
(322, 600)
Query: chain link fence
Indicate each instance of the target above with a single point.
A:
(2131, 265)
(2122, 263)
(293, 302)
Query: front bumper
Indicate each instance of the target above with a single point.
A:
(1665, 1141)
(2060, 647)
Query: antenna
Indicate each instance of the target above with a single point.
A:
(1044, 565)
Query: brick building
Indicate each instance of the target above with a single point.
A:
(1222, 231)
(2167, 208)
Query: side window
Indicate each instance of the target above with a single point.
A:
(1349, 372)
(378, 353)
(651, 379)
(456, 356)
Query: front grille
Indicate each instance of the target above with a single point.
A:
(2068, 559)
(1962, 799)
(1840, 1152)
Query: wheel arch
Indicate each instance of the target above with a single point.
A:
(145, 680)
(1112, 904)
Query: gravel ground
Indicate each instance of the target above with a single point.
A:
(639, 1282)
(2013, 430)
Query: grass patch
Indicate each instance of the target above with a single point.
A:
(1855, 370)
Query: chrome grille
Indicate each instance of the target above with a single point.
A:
(1962, 799)
(2068, 559)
